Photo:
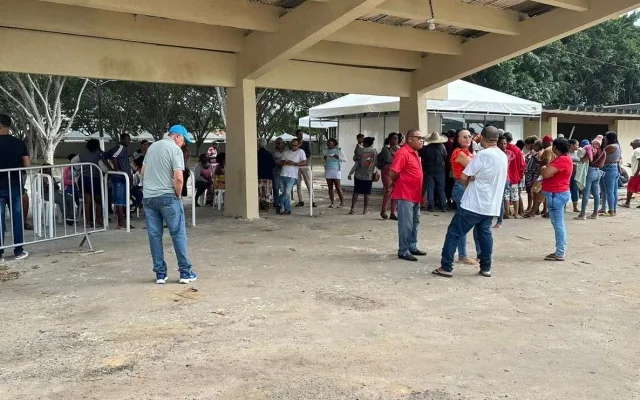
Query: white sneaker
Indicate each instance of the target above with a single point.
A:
(23, 255)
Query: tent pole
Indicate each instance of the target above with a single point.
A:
(310, 171)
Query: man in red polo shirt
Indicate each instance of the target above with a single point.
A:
(406, 189)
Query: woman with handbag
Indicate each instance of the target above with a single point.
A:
(595, 156)
(364, 172)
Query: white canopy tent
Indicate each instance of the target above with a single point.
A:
(288, 137)
(307, 122)
(463, 97)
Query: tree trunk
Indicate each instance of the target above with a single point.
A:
(48, 149)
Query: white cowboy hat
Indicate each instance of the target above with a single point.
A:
(435, 137)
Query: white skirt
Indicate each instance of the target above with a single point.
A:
(332, 174)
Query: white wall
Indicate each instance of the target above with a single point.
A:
(515, 125)
(348, 129)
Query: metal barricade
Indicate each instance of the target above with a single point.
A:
(193, 194)
(127, 197)
(38, 188)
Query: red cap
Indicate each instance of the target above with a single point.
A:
(547, 139)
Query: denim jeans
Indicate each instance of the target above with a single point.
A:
(458, 191)
(592, 186)
(276, 190)
(16, 217)
(286, 184)
(461, 223)
(408, 221)
(119, 193)
(555, 204)
(610, 180)
(167, 208)
(573, 187)
(435, 185)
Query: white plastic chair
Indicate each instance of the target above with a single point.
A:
(218, 198)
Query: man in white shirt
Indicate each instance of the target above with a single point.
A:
(635, 171)
(482, 200)
(291, 161)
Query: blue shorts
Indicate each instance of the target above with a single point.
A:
(118, 193)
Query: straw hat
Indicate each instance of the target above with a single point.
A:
(435, 137)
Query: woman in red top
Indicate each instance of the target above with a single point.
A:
(555, 186)
(460, 158)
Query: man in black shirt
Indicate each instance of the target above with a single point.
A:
(434, 156)
(13, 154)
(304, 172)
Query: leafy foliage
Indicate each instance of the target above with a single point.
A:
(598, 66)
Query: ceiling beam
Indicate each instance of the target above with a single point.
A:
(401, 38)
(318, 77)
(491, 49)
(362, 56)
(575, 5)
(298, 30)
(39, 16)
(233, 13)
(455, 13)
(60, 54)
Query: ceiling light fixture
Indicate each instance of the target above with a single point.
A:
(431, 21)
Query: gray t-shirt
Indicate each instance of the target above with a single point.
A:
(162, 159)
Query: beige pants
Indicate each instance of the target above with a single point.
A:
(303, 173)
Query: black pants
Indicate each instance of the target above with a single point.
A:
(186, 173)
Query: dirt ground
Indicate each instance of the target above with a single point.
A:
(321, 308)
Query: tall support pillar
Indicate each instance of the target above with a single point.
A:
(553, 126)
(413, 113)
(241, 193)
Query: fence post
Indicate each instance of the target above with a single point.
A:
(193, 194)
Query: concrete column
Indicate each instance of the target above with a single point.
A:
(241, 195)
(553, 126)
(413, 113)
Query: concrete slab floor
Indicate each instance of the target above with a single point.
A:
(320, 308)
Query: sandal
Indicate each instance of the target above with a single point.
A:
(444, 274)
(331, 206)
(352, 211)
(393, 217)
(580, 217)
(553, 257)
(593, 216)
(384, 215)
(467, 261)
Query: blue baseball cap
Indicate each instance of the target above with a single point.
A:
(182, 131)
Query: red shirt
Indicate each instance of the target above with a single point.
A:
(517, 165)
(559, 183)
(456, 167)
(408, 186)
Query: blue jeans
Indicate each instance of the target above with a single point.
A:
(435, 184)
(610, 180)
(461, 223)
(573, 187)
(16, 217)
(276, 190)
(555, 205)
(458, 191)
(286, 184)
(158, 210)
(408, 221)
(592, 186)
(119, 193)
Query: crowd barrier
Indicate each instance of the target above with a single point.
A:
(56, 212)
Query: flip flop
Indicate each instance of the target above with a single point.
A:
(624, 205)
(442, 273)
(553, 257)
(580, 218)
(331, 206)
(592, 217)
(352, 212)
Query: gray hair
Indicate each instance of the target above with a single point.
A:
(262, 142)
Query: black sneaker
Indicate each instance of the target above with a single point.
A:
(286, 212)
(300, 204)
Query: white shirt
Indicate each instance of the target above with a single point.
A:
(291, 171)
(635, 160)
(485, 193)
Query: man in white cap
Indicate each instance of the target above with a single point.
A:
(163, 180)
(634, 179)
